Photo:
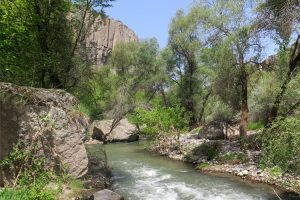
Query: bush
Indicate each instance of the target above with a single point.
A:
(262, 95)
(159, 120)
(27, 193)
(233, 157)
(26, 175)
(97, 94)
(255, 125)
(274, 171)
(202, 166)
(281, 145)
(218, 110)
(208, 150)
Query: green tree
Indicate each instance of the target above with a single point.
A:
(226, 23)
(38, 42)
(184, 44)
(132, 77)
(284, 17)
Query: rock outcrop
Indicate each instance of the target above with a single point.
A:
(46, 119)
(123, 131)
(213, 131)
(105, 34)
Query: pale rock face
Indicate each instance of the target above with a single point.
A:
(47, 118)
(104, 37)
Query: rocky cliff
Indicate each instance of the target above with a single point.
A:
(46, 120)
(104, 36)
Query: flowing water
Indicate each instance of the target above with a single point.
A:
(139, 175)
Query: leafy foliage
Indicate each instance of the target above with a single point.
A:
(30, 176)
(160, 120)
(281, 145)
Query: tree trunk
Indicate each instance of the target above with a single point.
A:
(244, 106)
(163, 96)
(293, 64)
(204, 105)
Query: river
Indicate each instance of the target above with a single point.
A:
(138, 175)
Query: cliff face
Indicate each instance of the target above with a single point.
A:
(104, 37)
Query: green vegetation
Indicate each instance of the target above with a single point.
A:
(213, 68)
(159, 120)
(275, 171)
(28, 177)
(233, 157)
(281, 145)
(210, 151)
(202, 166)
(255, 125)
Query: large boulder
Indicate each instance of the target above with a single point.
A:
(214, 130)
(108, 131)
(46, 119)
(106, 195)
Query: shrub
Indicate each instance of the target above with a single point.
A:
(281, 145)
(255, 125)
(262, 95)
(233, 157)
(159, 120)
(202, 166)
(218, 110)
(274, 171)
(208, 150)
(26, 175)
(26, 193)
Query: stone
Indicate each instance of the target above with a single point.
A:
(48, 119)
(98, 134)
(212, 131)
(245, 172)
(123, 131)
(107, 195)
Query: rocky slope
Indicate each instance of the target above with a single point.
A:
(44, 119)
(104, 37)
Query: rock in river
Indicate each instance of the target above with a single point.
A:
(107, 195)
(123, 131)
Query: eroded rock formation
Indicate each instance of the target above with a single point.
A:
(104, 36)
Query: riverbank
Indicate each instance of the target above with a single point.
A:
(226, 157)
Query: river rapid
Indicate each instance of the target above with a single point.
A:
(139, 175)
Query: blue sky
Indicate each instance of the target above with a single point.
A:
(148, 18)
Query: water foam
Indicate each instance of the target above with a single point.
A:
(150, 183)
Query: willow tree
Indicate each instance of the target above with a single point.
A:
(283, 18)
(229, 24)
(183, 66)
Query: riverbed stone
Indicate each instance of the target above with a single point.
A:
(108, 131)
(46, 119)
(107, 195)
